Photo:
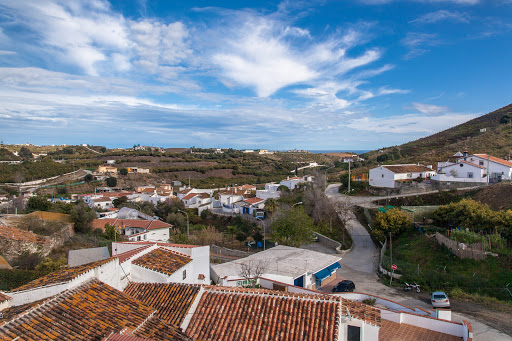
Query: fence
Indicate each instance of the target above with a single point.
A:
(472, 251)
(417, 213)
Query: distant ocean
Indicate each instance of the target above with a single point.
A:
(339, 151)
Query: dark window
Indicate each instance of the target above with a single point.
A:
(184, 274)
(481, 163)
(354, 333)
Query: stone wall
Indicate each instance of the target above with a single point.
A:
(328, 242)
(228, 252)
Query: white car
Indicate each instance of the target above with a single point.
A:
(439, 300)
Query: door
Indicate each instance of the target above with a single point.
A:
(299, 282)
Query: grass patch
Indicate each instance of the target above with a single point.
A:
(422, 260)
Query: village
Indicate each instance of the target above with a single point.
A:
(178, 290)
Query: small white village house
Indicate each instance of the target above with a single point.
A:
(387, 175)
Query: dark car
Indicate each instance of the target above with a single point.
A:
(344, 286)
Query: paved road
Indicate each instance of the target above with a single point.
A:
(360, 266)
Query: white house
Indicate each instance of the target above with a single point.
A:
(137, 229)
(387, 175)
(292, 183)
(462, 171)
(270, 191)
(163, 262)
(194, 200)
(498, 169)
(481, 168)
(101, 202)
(290, 265)
(250, 205)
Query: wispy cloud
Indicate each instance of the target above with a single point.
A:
(410, 124)
(458, 2)
(419, 43)
(442, 15)
(429, 109)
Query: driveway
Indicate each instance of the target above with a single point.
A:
(360, 266)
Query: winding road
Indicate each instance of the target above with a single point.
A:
(360, 265)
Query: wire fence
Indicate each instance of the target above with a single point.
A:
(444, 279)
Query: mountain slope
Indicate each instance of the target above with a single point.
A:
(495, 140)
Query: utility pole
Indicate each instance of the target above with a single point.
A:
(188, 229)
(391, 254)
(349, 176)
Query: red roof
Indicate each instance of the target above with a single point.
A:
(117, 194)
(189, 196)
(254, 200)
(163, 244)
(494, 159)
(122, 223)
(294, 178)
(163, 261)
(123, 257)
(103, 199)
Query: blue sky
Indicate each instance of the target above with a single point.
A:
(359, 74)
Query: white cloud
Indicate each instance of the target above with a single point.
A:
(419, 43)
(429, 109)
(410, 124)
(442, 15)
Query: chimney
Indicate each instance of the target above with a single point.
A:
(465, 155)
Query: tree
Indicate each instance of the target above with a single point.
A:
(88, 178)
(82, 217)
(123, 171)
(391, 222)
(292, 227)
(252, 270)
(271, 205)
(111, 181)
(25, 153)
(120, 201)
(48, 264)
(111, 232)
(38, 203)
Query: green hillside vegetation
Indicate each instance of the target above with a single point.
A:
(496, 141)
(6, 155)
(28, 170)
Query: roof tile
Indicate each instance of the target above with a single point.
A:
(164, 261)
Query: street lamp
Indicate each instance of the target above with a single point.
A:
(188, 231)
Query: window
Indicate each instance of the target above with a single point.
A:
(184, 274)
(353, 333)
(481, 163)
(382, 175)
(470, 175)
(409, 175)
(246, 283)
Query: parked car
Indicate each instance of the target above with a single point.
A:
(344, 286)
(439, 300)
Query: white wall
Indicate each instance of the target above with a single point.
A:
(381, 177)
(449, 178)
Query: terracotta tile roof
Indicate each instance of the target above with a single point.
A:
(117, 194)
(495, 159)
(123, 257)
(185, 246)
(189, 196)
(14, 233)
(4, 297)
(185, 191)
(254, 200)
(246, 186)
(158, 329)
(119, 337)
(12, 312)
(294, 178)
(164, 261)
(233, 191)
(61, 276)
(90, 312)
(235, 316)
(471, 164)
(171, 301)
(139, 223)
(103, 199)
(407, 168)
(391, 331)
(203, 195)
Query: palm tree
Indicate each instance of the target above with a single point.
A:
(271, 205)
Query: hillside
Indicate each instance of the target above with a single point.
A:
(495, 140)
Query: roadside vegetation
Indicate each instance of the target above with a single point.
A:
(421, 259)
